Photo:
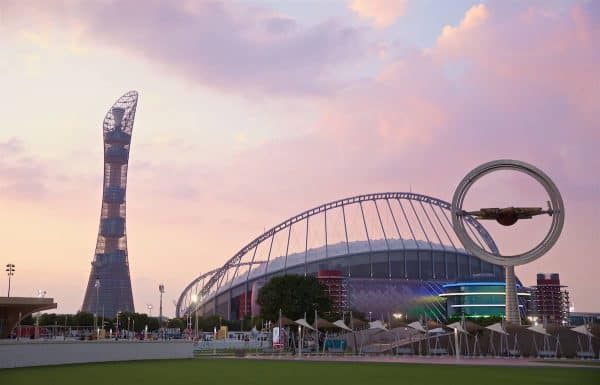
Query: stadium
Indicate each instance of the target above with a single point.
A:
(378, 254)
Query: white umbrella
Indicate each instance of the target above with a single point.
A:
(417, 326)
(457, 326)
(582, 330)
(340, 324)
(377, 325)
(539, 329)
(302, 322)
(497, 327)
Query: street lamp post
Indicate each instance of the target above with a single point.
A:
(161, 289)
(10, 270)
(41, 294)
(97, 286)
(117, 326)
(149, 316)
(195, 301)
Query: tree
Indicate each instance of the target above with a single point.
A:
(176, 323)
(295, 295)
(137, 321)
(82, 319)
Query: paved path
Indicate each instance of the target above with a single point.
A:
(485, 361)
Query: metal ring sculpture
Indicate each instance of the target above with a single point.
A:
(206, 284)
(557, 210)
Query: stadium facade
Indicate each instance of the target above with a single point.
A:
(381, 253)
(109, 284)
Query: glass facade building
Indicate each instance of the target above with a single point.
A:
(474, 299)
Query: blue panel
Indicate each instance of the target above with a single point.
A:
(113, 227)
(114, 195)
(476, 284)
(116, 154)
(117, 137)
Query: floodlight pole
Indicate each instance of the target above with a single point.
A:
(97, 286)
(161, 288)
(117, 328)
(10, 270)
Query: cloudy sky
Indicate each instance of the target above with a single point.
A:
(252, 111)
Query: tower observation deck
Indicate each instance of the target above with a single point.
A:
(109, 285)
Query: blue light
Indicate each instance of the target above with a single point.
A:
(476, 284)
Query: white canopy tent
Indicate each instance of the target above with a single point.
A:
(546, 350)
(458, 326)
(504, 348)
(377, 325)
(539, 329)
(582, 329)
(584, 350)
(302, 322)
(460, 333)
(497, 328)
(342, 325)
(417, 326)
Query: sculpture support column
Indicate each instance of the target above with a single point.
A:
(511, 302)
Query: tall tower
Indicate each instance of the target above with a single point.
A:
(109, 286)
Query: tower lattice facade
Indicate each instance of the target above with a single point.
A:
(109, 285)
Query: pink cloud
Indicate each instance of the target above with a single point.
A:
(383, 13)
(244, 49)
(21, 175)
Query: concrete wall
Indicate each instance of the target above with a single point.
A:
(34, 353)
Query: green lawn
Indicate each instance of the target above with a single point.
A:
(254, 372)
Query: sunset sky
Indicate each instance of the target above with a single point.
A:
(253, 111)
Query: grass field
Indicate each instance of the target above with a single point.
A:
(255, 372)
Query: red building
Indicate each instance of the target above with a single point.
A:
(550, 299)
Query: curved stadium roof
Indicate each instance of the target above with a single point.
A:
(363, 225)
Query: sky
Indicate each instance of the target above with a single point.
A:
(253, 111)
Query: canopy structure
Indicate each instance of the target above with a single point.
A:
(284, 321)
(472, 327)
(356, 323)
(497, 327)
(539, 329)
(458, 326)
(323, 323)
(437, 331)
(377, 325)
(302, 322)
(417, 326)
(342, 325)
(583, 329)
(14, 309)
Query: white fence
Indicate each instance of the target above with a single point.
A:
(35, 353)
